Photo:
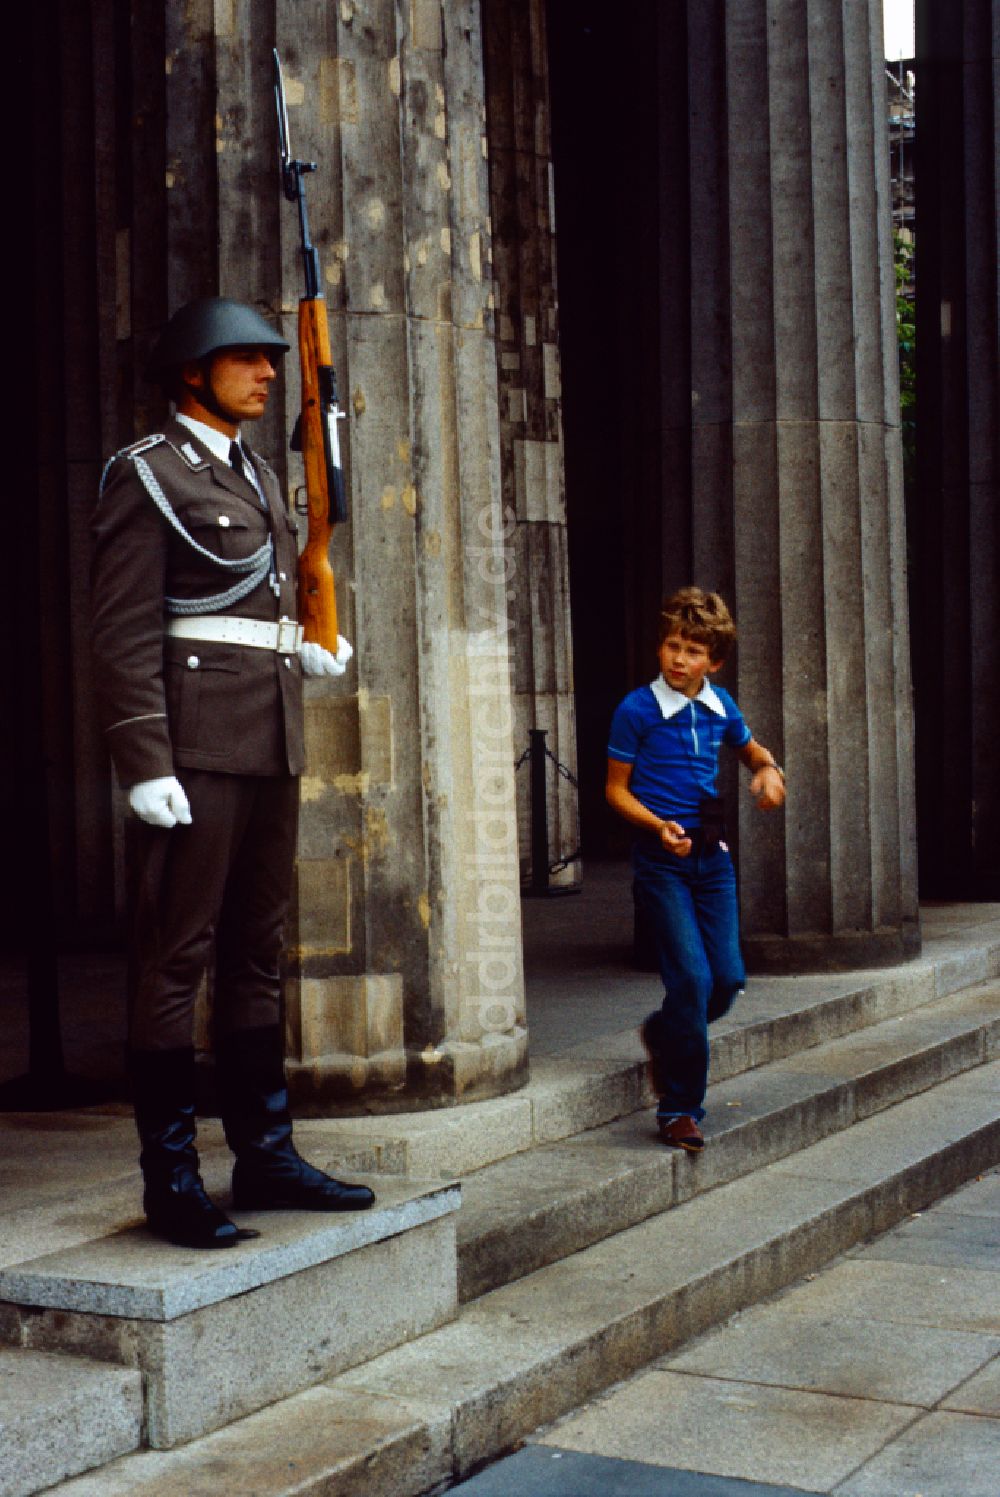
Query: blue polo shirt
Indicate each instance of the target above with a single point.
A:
(673, 742)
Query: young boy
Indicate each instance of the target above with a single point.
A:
(663, 758)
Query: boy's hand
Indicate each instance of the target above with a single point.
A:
(768, 788)
(675, 839)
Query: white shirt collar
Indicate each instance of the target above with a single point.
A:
(671, 702)
(216, 441)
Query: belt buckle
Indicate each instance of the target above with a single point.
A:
(288, 637)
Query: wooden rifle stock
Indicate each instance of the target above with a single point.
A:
(317, 593)
(316, 430)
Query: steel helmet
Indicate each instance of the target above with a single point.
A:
(204, 327)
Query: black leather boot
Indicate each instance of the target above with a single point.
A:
(269, 1174)
(175, 1201)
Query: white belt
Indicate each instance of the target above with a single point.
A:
(220, 628)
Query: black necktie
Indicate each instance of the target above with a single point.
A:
(236, 459)
(240, 464)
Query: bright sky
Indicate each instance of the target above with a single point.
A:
(898, 29)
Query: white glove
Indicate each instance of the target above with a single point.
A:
(319, 662)
(160, 802)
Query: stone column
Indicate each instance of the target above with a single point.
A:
(406, 987)
(790, 496)
(533, 485)
(957, 555)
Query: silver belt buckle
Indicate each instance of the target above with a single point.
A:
(288, 637)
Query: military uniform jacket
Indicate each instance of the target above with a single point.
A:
(167, 703)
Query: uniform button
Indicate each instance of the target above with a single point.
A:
(223, 521)
(283, 576)
(193, 662)
(288, 664)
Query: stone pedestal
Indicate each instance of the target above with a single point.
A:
(202, 1327)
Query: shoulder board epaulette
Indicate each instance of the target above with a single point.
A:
(134, 449)
(191, 456)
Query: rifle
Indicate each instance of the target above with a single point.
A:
(315, 434)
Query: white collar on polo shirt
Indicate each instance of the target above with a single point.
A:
(671, 702)
(217, 442)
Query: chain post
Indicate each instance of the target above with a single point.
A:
(539, 813)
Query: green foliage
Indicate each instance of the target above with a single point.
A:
(906, 333)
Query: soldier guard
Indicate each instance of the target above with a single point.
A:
(199, 664)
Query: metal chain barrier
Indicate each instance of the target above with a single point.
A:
(542, 870)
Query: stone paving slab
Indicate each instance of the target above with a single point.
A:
(946, 1240)
(908, 1294)
(980, 1395)
(978, 1198)
(851, 1356)
(942, 1455)
(774, 1435)
(134, 1276)
(543, 1471)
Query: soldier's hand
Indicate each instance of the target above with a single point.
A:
(160, 802)
(319, 662)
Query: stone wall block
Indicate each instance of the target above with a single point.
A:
(706, 463)
(351, 1016)
(427, 186)
(529, 380)
(876, 355)
(750, 241)
(191, 157)
(848, 688)
(373, 192)
(706, 254)
(466, 139)
(248, 190)
(829, 167)
(792, 214)
(904, 874)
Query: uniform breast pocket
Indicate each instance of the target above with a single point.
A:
(231, 531)
(202, 684)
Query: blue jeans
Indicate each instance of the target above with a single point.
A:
(690, 905)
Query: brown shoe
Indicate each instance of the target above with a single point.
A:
(682, 1133)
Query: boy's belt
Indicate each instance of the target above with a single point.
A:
(703, 839)
(256, 634)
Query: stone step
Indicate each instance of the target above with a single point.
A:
(218, 1334)
(62, 1415)
(421, 1416)
(537, 1207)
(602, 1079)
